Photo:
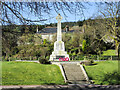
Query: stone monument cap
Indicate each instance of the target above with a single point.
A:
(59, 18)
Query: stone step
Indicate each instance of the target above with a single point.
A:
(74, 73)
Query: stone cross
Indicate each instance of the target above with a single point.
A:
(59, 34)
(59, 18)
(59, 47)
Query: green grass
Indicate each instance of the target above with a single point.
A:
(29, 73)
(105, 72)
(109, 52)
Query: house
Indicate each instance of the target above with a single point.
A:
(49, 32)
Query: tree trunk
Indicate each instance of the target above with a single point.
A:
(9, 58)
(117, 49)
(79, 50)
(118, 52)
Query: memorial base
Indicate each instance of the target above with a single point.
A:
(58, 54)
(59, 51)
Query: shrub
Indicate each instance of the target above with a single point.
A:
(5, 58)
(8, 58)
(103, 58)
(84, 46)
(44, 41)
(93, 57)
(79, 57)
(47, 57)
(25, 58)
(43, 60)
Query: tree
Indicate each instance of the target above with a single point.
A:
(9, 40)
(12, 12)
(111, 15)
(94, 31)
(80, 23)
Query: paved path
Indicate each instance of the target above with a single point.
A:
(61, 87)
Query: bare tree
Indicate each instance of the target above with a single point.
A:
(12, 11)
(111, 17)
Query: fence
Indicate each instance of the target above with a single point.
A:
(79, 57)
(95, 57)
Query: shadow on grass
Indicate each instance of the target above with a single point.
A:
(111, 78)
(92, 64)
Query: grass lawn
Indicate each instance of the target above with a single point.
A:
(109, 52)
(105, 72)
(29, 73)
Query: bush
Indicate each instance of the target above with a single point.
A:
(43, 60)
(4, 58)
(93, 57)
(47, 57)
(25, 58)
(79, 57)
(8, 58)
(103, 58)
(84, 46)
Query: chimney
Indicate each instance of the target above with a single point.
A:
(67, 28)
(37, 30)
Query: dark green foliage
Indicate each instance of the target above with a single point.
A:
(80, 23)
(93, 57)
(33, 51)
(76, 43)
(104, 57)
(70, 24)
(9, 40)
(80, 57)
(43, 60)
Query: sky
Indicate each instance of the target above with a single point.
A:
(89, 11)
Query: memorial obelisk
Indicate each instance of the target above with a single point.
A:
(59, 48)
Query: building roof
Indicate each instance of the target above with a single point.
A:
(49, 30)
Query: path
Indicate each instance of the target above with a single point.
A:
(61, 87)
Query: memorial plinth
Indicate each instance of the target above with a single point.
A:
(59, 48)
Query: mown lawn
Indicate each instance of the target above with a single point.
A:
(109, 52)
(105, 72)
(29, 73)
